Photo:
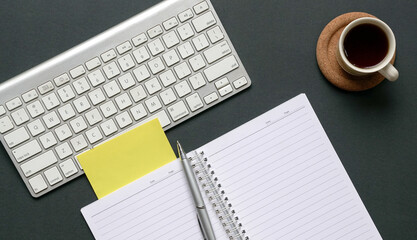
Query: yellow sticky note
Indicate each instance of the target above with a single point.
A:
(127, 157)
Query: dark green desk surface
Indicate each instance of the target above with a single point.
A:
(374, 132)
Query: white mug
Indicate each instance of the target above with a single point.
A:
(384, 67)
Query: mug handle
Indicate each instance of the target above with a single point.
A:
(389, 72)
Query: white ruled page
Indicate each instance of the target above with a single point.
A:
(285, 180)
(156, 206)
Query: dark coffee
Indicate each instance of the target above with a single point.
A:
(365, 45)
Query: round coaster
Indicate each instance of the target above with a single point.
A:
(326, 56)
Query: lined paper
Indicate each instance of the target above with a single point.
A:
(279, 172)
(157, 206)
(284, 179)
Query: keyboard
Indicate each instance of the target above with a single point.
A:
(170, 62)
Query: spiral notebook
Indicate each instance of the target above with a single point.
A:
(275, 177)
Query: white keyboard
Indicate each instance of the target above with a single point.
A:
(171, 61)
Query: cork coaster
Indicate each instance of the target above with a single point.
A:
(326, 56)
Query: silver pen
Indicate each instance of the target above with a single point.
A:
(202, 214)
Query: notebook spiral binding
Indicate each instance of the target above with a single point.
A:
(217, 197)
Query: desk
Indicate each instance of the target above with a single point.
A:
(374, 132)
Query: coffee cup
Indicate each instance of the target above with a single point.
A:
(366, 46)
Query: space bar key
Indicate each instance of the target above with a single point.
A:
(221, 68)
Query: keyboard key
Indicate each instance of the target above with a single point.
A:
(155, 31)
(162, 117)
(20, 116)
(93, 117)
(156, 47)
(111, 70)
(111, 89)
(156, 65)
(96, 78)
(78, 124)
(63, 151)
(221, 83)
(184, 16)
(93, 63)
(197, 81)
(51, 120)
(108, 127)
(13, 104)
(194, 102)
(123, 101)
(225, 90)
(170, 23)
(168, 96)
(182, 70)
(27, 97)
(153, 104)
(178, 111)
(35, 165)
(35, 109)
(186, 50)
(50, 101)
(109, 55)
(48, 140)
(167, 78)
(141, 55)
(37, 183)
(215, 53)
(108, 109)
(138, 112)
(139, 39)
(2, 110)
(66, 93)
(46, 87)
(26, 151)
(126, 62)
(81, 85)
(170, 39)
(68, 168)
(123, 120)
(124, 47)
(96, 96)
(197, 63)
(138, 93)
(204, 21)
(81, 104)
(16, 137)
(63, 132)
(215, 34)
(211, 98)
(53, 176)
(66, 112)
(201, 7)
(78, 143)
(171, 58)
(221, 68)
(94, 135)
(200, 42)
(5, 124)
(182, 88)
(240, 82)
(126, 81)
(36, 127)
(76, 72)
(185, 31)
(141, 73)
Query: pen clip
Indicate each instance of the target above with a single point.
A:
(201, 228)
